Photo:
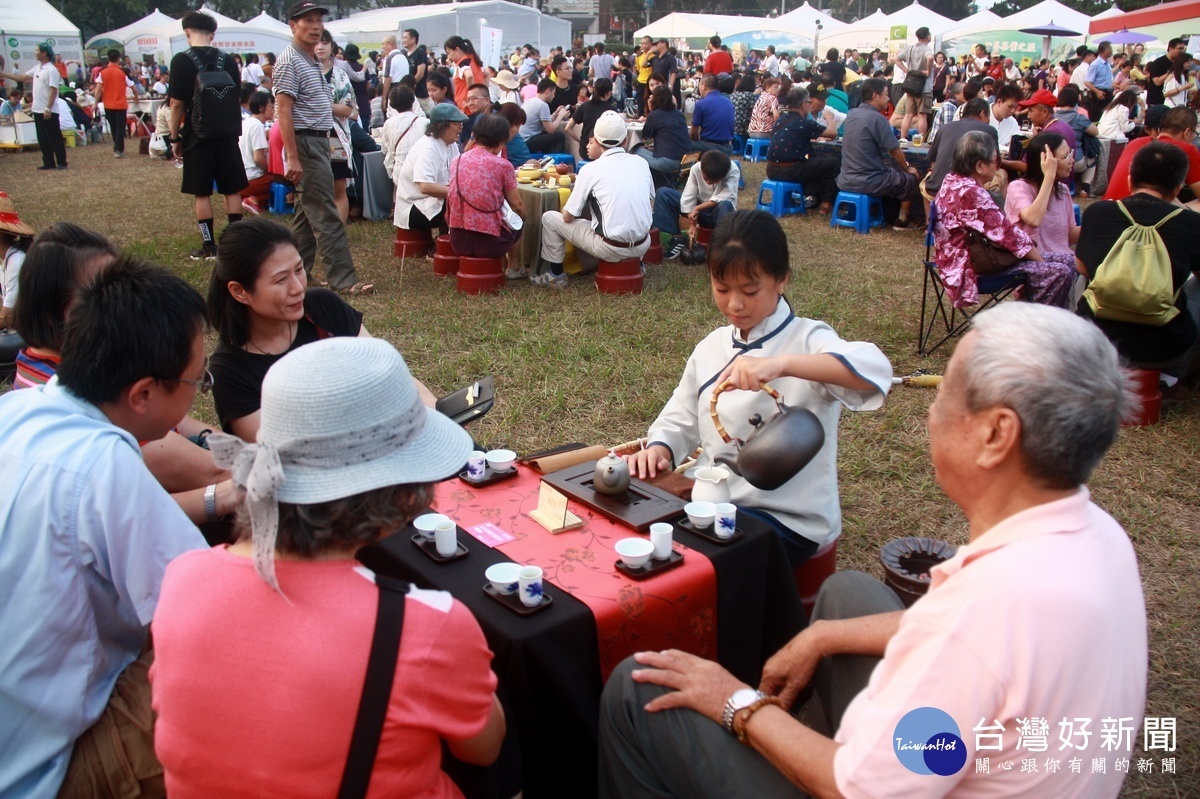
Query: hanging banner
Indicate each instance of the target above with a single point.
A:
(19, 50)
(491, 42)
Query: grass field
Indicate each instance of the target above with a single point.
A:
(578, 366)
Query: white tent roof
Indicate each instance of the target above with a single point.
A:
(916, 15)
(268, 23)
(984, 20)
(154, 22)
(239, 37)
(681, 25)
(34, 18)
(437, 22)
(25, 23)
(868, 33)
(1044, 13)
(805, 18)
(1112, 12)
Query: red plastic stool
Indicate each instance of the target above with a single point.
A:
(654, 255)
(811, 573)
(620, 277)
(411, 243)
(1145, 383)
(480, 275)
(445, 259)
(703, 234)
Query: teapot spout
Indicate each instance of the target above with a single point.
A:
(728, 462)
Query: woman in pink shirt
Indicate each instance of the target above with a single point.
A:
(481, 181)
(261, 647)
(1039, 202)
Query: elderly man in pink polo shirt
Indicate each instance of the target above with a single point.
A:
(1028, 652)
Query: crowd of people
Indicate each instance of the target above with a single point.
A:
(120, 508)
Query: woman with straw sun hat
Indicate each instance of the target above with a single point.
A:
(15, 238)
(261, 646)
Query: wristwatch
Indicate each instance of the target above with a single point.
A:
(739, 699)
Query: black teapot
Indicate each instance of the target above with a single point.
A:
(778, 448)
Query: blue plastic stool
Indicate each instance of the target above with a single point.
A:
(786, 198)
(559, 158)
(580, 165)
(756, 149)
(868, 211)
(1078, 214)
(279, 203)
(739, 144)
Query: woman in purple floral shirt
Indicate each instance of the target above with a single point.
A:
(962, 204)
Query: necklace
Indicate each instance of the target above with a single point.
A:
(291, 338)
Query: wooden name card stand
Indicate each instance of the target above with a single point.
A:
(639, 507)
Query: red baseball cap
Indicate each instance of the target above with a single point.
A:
(1040, 97)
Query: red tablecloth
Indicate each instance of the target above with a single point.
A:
(676, 609)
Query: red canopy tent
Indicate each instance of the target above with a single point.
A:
(1183, 16)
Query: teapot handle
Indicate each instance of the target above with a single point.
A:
(712, 406)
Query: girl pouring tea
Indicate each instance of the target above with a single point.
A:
(766, 342)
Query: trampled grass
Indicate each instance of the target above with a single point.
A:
(578, 366)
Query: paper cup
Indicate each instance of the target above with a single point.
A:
(529, 585)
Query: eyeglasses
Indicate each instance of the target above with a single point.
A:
(203, 385)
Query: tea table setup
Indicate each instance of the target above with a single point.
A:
(560, 558)
(916, 156)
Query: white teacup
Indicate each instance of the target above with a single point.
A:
(445, 536)
(701, 514)
(634, 552)
(427, 524)
(501, 460)
(504, 577)
(529, 584)
(726, 519)
(661, 535)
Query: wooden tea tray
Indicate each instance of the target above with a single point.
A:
(639, 507)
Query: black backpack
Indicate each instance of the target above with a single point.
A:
(216, 111)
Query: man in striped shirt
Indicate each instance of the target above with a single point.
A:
(304, 109)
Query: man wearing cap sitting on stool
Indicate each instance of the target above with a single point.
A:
(615, 195)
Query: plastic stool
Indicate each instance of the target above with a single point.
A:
(810, 574)
(410, 243)
(654, 255)
(783, 198)
(445, 259)
(756, 149)
(1145, 382)
(703, 235)
(739, 144)
(279, 203)
(480, 275)
(620, 277)
(867, 211)
(1078, 214)
(580, 165)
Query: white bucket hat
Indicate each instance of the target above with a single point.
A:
(339, 417)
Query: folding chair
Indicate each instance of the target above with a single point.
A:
(953, 321)
(686, 163)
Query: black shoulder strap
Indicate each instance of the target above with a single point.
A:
(377, 688)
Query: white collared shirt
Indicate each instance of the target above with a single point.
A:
(698, 190)
(428, 162)
(620, 193)
(808, 504)
(86, 537)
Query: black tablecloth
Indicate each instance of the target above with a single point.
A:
(548, 663)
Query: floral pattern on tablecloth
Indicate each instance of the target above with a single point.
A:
(676, 609)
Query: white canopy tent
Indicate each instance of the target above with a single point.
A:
(979, 21)
(1004, 36)
(436, 23)
(26, 23)
(865, 35)
(806, 17)
(682, 25)
(237, 37)
(915, 15)
(155, 22)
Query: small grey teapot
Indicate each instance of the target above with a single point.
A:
(611, 476)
